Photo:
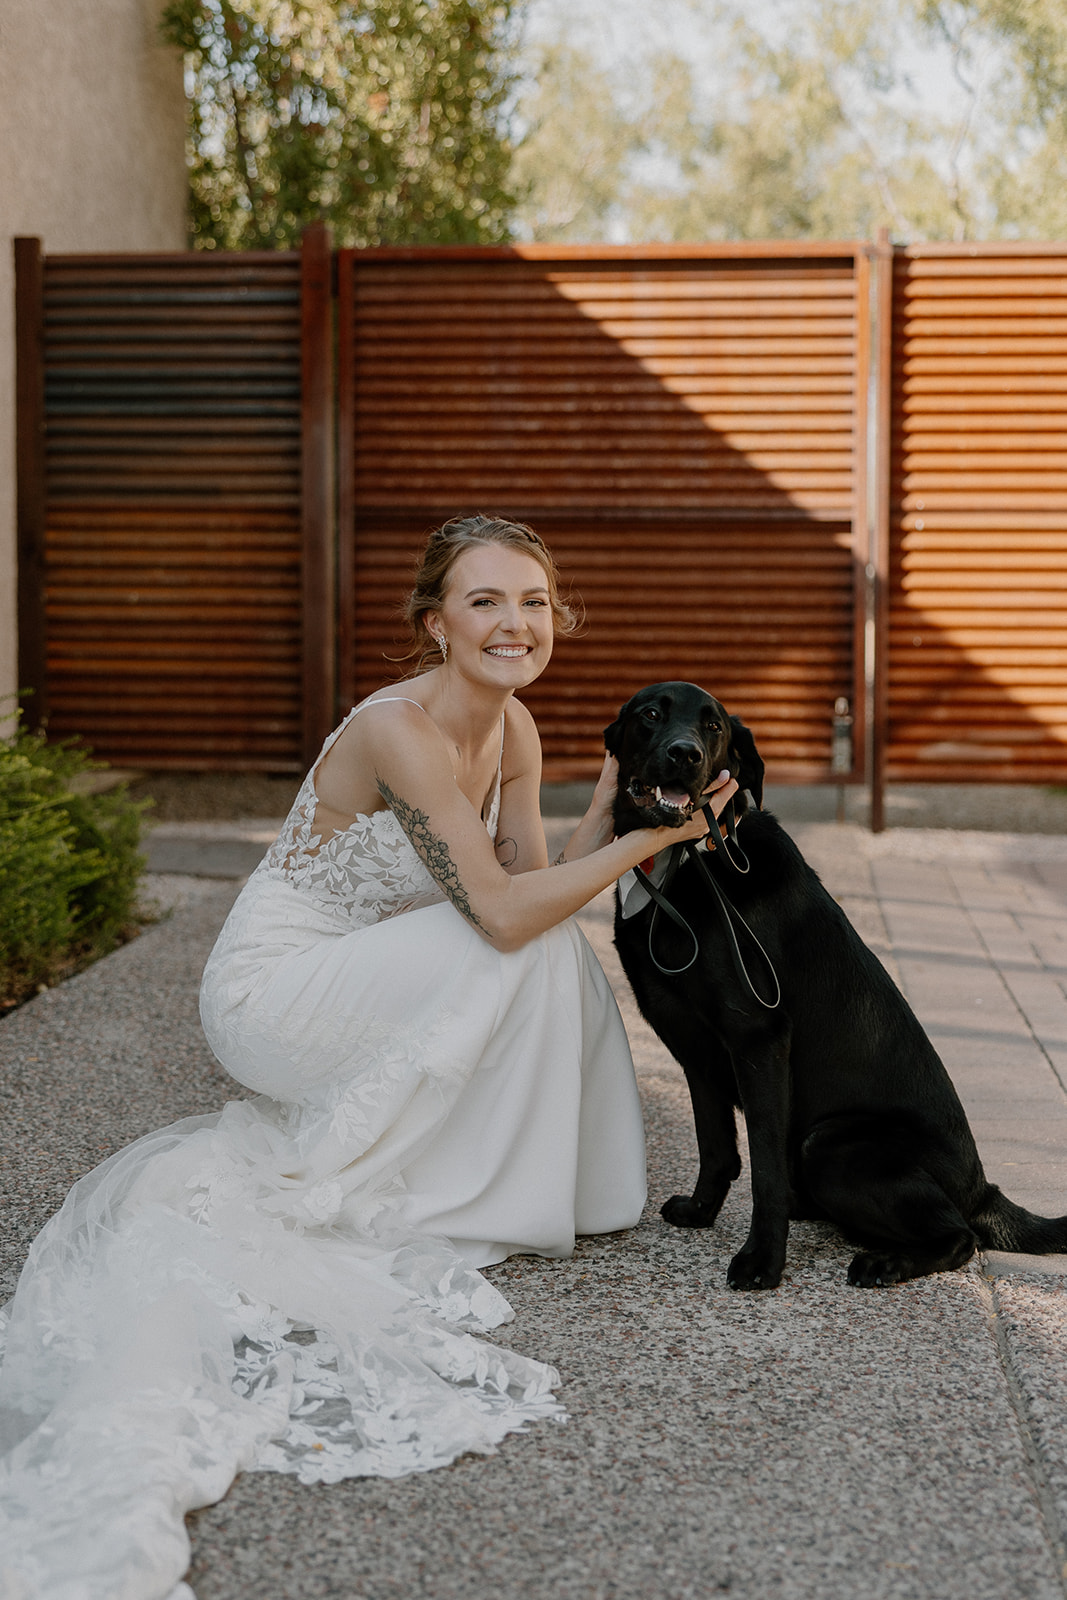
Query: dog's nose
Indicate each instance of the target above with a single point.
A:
(684, 751)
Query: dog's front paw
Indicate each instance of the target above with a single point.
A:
(871, 1270)
(752, 1269)
(682, 1211)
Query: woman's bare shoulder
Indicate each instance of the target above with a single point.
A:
(522, 742)
(519, 722)
(379, 727)
(409, 692)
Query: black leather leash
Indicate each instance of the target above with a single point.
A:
(730, 851)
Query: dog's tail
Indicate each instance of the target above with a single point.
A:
(1002, 1225)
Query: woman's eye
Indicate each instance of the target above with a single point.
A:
(539, 604)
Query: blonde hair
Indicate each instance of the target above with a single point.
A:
(443, 549)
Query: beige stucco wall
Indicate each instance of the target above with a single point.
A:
(92, 134)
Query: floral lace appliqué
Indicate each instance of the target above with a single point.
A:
(369, 869)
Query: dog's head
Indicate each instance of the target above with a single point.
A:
(670, 741)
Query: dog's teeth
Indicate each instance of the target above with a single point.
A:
(659, 792)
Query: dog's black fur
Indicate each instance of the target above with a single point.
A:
(851, 1115)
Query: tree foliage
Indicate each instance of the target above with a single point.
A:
(384, 118)
(809, 119)
(571, 168)
(1029, 187)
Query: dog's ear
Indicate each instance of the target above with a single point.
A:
(613, 731)
(749, 762)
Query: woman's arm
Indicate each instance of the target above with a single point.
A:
(520, 835)
(596, 828)
(414, 776)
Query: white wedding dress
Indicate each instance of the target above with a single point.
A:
(290, 1284)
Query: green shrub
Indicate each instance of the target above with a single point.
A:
(69, 864)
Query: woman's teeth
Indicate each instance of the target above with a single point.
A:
(509, 652)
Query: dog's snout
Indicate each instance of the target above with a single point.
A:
(685, 751)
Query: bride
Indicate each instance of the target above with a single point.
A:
(441, 1079)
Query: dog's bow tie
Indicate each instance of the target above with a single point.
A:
(632, 893)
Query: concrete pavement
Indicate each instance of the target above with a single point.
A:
(817, 1441)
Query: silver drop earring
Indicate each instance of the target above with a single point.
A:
(443, 643)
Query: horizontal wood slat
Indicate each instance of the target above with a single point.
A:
(173, 482)
(978, 607)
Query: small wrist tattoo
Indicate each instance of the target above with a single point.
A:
(561, 860)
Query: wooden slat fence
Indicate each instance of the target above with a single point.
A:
(678, 423)
(170, 508)
(977, 645)
(798, 473)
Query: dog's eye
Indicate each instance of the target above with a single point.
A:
(714, 727)
(650, 714)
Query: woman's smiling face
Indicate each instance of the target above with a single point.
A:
(496, 616)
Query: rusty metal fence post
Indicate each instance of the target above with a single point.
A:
(317, 507)
(877, 419)
(346, 470)
(30, 468)
(860, 514)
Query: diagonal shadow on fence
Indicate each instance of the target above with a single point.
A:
(680, 430)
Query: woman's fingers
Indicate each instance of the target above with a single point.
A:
(716, 795)
(607, 783)
(719, 792)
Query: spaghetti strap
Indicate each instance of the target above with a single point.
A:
(491, 820)
(332, 738)
(387, 700)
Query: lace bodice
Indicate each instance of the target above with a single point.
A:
(367, 871)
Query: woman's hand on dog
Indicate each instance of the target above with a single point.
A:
(718, 792)
(602, 805)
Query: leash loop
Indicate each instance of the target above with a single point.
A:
(661, 903)
(727, 911)
(732, 844)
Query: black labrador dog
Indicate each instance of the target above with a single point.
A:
(785, 1013)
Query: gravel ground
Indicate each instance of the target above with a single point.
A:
(817, 1443)
(773, 1445)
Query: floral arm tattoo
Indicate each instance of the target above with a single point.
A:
(434, 851)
